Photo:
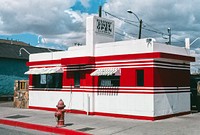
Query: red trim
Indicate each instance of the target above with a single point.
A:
(78, 61)
(41, 127)
(141, 62)
(54, 109)
(172, 63)
(176, 56)
(124, 116)
(171, 115)
(91, 60)
(145, 56)
(43, 62)
(76, 111)
(117, 115)
(42, 108)
(116, 91)
(141, 117)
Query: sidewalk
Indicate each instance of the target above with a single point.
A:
(98, 125)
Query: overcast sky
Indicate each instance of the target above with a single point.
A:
(61, 23)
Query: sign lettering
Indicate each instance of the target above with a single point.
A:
(104, 27)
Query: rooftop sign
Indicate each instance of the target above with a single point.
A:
(104, 26)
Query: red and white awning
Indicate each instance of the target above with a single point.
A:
(37, 71)
(106, 72)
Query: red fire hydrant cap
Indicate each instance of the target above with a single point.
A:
(60, 104)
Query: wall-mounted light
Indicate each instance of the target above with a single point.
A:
(20, 51)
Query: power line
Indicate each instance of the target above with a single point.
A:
(125, 34)
(131, 23)
(120, 34)
(178, 40)
(144, 27)
(125, 31)
(155, 29)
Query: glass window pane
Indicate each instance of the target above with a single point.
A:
(47, 81)
(77, 79)
(43, 79)
(140, 77)
(109, 81)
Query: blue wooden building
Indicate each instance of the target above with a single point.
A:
(13, 65)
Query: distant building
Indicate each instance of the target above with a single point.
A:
(139, 79)
(12, 65)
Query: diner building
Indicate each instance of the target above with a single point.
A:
(137, 79)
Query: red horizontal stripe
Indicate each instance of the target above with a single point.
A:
(176, 56)
(42, 108)
(111, 88)
(78, 60)
(141, 117)
(171, 115)
(122, 115)
(125, 62)
(173, 63)
(54, 110)
(115, 91)
(48, 62)
(122, 66)
(76, 111)
(92, 60)
(145, 56)
(41, 127)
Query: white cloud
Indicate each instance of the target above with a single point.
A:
(74, 16)
(57, 23)
(52, 19)
(181, 15)
(85, 3)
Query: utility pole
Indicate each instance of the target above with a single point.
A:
(100, 11)
(140, 30)
(170, 35)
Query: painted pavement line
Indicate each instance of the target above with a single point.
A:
(38, 127)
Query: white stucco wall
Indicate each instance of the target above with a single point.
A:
(171, 103)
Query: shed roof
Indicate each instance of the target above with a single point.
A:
(9, 49)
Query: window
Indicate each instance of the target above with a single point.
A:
(47, 81)
(109, 81)
(77, 79)
(140, 77)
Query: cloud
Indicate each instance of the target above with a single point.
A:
(58, 23)
(85, 3)
(53, 19)
(30, 15)
(180, 15)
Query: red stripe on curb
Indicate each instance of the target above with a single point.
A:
(41, 127)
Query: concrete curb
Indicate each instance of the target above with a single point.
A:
(44, 128)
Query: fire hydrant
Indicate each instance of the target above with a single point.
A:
(60, 114)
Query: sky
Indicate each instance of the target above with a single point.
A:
(59, 24)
